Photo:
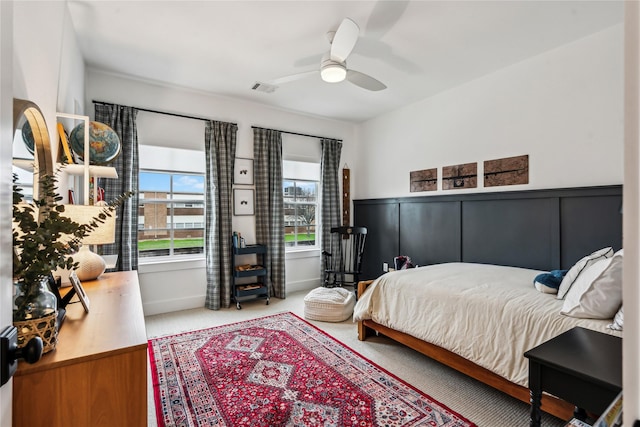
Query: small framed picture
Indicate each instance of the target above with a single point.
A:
(243, 171)
(243, 202)
(77, 286)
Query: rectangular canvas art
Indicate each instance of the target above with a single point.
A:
(424, 180)
(507, 171)
(460, 176)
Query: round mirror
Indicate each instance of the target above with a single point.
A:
(31, 136)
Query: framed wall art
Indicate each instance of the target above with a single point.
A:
(460, 176)
(507, 171)
(243, 201)
(424, 180)
(243, 171)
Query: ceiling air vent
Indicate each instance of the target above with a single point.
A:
(264, 87)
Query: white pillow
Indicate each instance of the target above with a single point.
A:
(597, 292)
(579, 267)
(618, 320)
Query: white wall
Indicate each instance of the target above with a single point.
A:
(37, 44)
(631, 225)
(563, 108)
(176, 286)
(32, 39)
(70, 88)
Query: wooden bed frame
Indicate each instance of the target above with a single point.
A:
(538, 229)
(550, 404)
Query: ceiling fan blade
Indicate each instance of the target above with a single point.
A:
(294, 77)
(383, 17)
(344, 40)
(308, 61)
(364, 81)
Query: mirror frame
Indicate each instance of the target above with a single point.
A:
(42, 143)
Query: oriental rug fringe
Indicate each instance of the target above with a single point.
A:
(280, 370)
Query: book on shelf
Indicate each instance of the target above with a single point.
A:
(65, 144)
(91, 190)
(238, 240)
(612, 416)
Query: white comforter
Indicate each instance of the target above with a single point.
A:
(487, 314)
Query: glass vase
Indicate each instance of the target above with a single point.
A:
(35, 312)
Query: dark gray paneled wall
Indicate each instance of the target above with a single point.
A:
(540, 229)
(383, 244)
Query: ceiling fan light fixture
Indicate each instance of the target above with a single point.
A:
(333, 73)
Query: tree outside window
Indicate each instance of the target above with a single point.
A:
(300, 213)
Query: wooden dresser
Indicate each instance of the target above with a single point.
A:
(97, 375)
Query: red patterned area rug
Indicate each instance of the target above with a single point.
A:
(280, 371)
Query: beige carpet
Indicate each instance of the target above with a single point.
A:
(479, 403)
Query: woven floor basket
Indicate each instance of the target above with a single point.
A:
(43, 327)
(329, 304)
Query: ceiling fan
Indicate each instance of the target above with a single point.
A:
(333, 66)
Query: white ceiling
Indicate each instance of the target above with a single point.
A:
(417, 48)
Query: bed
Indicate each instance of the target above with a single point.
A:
(481, 250)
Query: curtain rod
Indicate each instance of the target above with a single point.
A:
(161, 112)
(296, 133)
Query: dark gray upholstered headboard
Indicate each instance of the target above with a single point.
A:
(539, 229)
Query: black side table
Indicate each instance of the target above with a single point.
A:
(581, 366)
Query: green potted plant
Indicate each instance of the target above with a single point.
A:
(44, 239)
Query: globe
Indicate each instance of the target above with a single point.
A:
(104, 144)
(27, 137)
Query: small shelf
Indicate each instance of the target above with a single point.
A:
(250, 249)
(24, 164)
(257, 289)
(94, 170)
(250, 289)
(256, 270)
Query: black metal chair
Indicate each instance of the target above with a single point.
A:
(343, 259)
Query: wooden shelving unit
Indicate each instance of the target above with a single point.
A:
(86, 170)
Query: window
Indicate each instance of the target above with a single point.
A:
(300, 191)
(171, 214)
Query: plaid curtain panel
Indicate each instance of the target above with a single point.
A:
(220, 149)
(123, 121)
(330, 211)
(267, 153)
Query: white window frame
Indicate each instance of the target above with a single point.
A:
(296, 247)
(171, 218)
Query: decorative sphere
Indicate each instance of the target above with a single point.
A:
(104, 144)
(27, 136)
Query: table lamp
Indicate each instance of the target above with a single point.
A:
(90, 264)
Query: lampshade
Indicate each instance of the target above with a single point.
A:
(90, 264)
(84, 214)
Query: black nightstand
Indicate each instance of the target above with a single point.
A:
(581, 366)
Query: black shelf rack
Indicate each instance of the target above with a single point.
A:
(257, 289)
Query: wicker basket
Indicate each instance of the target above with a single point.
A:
(44, 327)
